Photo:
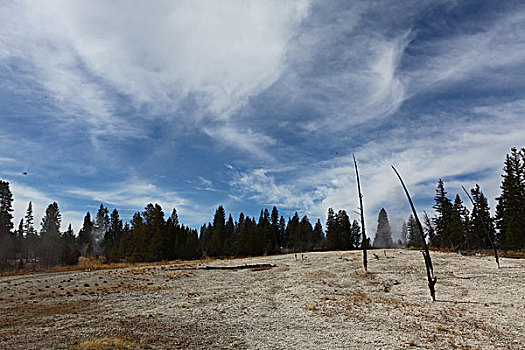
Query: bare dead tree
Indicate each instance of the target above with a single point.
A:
(426, 254)
(363, 243)
(485, 228)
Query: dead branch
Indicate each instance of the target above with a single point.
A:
(363, 243)
(426, 254)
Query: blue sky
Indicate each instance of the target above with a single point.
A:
(248, 104)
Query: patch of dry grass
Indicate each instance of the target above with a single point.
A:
(99, 264)
(105, 344)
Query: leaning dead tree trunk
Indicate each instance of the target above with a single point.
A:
(485, 228)
(426, 254)
(364, 242)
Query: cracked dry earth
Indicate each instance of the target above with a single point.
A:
(321, 302)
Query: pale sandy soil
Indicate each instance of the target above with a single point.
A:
(321, 302)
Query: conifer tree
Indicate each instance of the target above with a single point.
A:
(49, 246)
(154, 232)
(18, 244)
(404, 233)
(112, 237)
(383, 238)
(275, 228)
(229, 236)
(480, 221)
(174, 217)
(443, 207)
(69, 253)
(291, 227)
(99, 228)
(6, 208)
(85, 236)
(458, 225)
(318, 235)
(332, 234)
(6, 223)
(344, 230)
(139, 243)
(510, 209)
(216, 247)
(414, 237)
(283, 237)
(356, 235)
(31, 233)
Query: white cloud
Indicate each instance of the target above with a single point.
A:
(87, 54)
(133, 194)
(457, 58)
(244, 140)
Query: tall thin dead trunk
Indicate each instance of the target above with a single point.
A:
(364, 241)
(426, 254)
(485, 228)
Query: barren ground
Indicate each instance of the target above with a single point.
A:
(321, 302)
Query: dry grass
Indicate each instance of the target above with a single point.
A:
(95, 264)
(105, 344)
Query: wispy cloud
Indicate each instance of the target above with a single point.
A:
(133, 194)
(217, 55)
(244, 140)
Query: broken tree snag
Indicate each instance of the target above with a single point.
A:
(426, 254)
(485, 228)
(363, 243)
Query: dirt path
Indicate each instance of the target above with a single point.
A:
(321, 302)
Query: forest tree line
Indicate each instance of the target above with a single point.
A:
(150, 236)
(455, 227)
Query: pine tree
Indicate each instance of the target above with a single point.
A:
(216, 247)
(383, 238)
(6, 208)
(174, 217)
(344, 230)
(99, 229)
(275, 228)
(229, 236)
(318, 234)
(49, 246)
(31, 233)
(480, 221)
(6, 223)
(458, 224)
(139, 243)
(69, 253)
(355, 236)
(18, 243)
(282, 233)
(510, 209)
(154, 231)
(414, 237)
(443, 207)
(404, 234)
(112, 237)
(85, 236)
(332, 235)
(291, 227)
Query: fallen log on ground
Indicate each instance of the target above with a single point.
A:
(235, 267)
